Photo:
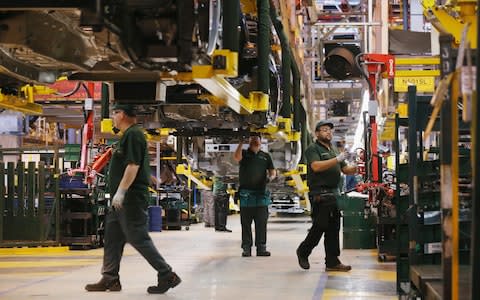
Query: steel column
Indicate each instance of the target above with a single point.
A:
(105, 113)
(412, 174)
(41, 200)
(446, 179)
(56, 175)
(475, 132)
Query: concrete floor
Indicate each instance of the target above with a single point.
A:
(210, 265)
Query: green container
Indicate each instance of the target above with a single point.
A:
(354, 204)
(403, 269)
(359, 239)
(358, 220)
(72, 152)
(404, 238)
(402, 175)
(432, 233)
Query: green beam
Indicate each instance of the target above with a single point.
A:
(263, 45)
(231, 20)
(41, 200)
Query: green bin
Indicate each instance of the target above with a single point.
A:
(358, 220)
(359, 239)
(353, 204)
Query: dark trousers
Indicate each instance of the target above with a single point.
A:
(259, 215)
(325, 219)
(221, 211)
(129, 224)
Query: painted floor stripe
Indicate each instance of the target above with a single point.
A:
(332, 294)
(368, 273)
(23, 275)
(322, 282)
(46, 263)
(33, 250)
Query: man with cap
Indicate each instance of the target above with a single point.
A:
(324, 164)
(256, 169)
(126, 221)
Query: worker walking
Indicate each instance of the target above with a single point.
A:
(324, 163)
(221, 198)
(256, 169)
(129, 177)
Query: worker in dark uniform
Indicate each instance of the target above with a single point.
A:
(256, 169)
(221, 199)
(324, 163)
(126, 221)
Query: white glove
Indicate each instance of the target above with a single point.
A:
(117, 201)
(341, 157)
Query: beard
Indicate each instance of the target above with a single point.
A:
(325, 140)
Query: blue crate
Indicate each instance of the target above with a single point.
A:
(72, 182)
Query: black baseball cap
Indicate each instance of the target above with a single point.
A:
(323, 123)
(129, 109)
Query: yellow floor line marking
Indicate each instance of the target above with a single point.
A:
(22, 275)
(47, 263)
(331, 294)
(69, 253)
(367, 274)
(33, 251)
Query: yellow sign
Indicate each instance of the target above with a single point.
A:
(424, 84)
(388, 133)
(402, 110)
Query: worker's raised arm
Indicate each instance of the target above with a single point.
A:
(321, 165)
(237, 156)
(272, 174)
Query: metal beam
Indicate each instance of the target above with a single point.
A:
(45, 4)
(201, 183)
(347, 24)
(212, 78)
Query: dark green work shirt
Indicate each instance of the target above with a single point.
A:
(253, 170)
(219, 186)
(131, 148)
(328, 178)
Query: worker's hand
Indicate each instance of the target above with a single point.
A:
(271, 178)
(117, 201)
(341, 157)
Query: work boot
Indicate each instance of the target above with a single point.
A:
(247, 252)
(303, 261)
(169, 282)
(339, 268)
(263, 253)
(104, 285)
(223, 229)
